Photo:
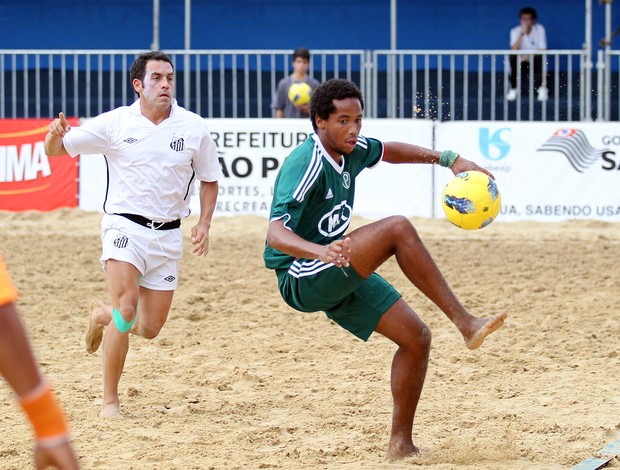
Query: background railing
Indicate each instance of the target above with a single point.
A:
(472, 85)
(442, 85)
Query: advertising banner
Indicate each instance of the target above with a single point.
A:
(29, 179)
(545, 171)
(252, 150)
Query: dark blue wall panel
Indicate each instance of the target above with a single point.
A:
(286, 24)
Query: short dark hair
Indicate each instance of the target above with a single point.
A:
(138, 68)
(323, 96)
(528, 11)
(302, 53)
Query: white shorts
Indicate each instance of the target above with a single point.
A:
(155, 253)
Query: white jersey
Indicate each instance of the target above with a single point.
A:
(151, 168)
(536, 40)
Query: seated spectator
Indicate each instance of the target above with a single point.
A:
(528, 36)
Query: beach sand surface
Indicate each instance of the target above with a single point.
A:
(237, 379)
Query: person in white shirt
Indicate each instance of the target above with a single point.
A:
(154, 151)
(528, 36)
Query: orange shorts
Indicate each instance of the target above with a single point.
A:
(8, 293)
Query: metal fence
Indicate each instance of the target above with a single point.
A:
(472, 85)
(442, 85)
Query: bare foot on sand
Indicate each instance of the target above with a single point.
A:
(98, 320)
(398, 452)
(110, 411)
(484, 329)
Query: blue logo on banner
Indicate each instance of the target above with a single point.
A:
(493, 146)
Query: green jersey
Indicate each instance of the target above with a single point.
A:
(314, 195)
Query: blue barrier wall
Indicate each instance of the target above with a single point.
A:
(286, 24)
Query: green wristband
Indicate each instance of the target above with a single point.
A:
(447, 158)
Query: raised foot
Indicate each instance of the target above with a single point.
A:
(95, 326)
(488, 326)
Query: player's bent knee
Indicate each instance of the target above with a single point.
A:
(417, 340)
(402, 226)
(425, 338)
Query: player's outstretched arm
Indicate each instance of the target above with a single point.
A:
(400, 152)
(53, 140)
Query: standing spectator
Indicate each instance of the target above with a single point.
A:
(528, 36)
(281, 103)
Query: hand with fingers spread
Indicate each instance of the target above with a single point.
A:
(337, 252)
(462, 164)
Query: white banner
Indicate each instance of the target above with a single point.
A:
(545, 171)
(252, 150)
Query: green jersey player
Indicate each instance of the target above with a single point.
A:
(321, 267)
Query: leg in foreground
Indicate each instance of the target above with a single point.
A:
(401, 325)
(373, 244)
(110, 326)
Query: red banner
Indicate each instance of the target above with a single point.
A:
(29, 179)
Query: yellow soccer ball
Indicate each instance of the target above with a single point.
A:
(471, 200)
(299, 93)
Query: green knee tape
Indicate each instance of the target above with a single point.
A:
(122, 325)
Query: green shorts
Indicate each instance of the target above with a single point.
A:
(355, 303)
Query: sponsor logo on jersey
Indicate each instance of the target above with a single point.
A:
(329, 194)
(346, 180)
(169, 278)
(177, 144)
(130, 140)
(336, 221)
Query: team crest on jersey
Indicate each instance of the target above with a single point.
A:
(177, 144)
(336, 221)
(120, 241)
(346, 180)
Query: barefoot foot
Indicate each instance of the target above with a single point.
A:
(484, 329)
(110, 411)
(97, 322)
(398, 452)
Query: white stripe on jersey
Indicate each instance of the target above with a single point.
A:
(362, 142)
(308, 268)
(312, 173)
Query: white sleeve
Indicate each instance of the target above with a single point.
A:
(91, 137)
(543, 37)
(207, 163)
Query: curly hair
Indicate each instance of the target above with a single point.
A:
(323, 96)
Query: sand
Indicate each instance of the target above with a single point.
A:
(237, 379)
